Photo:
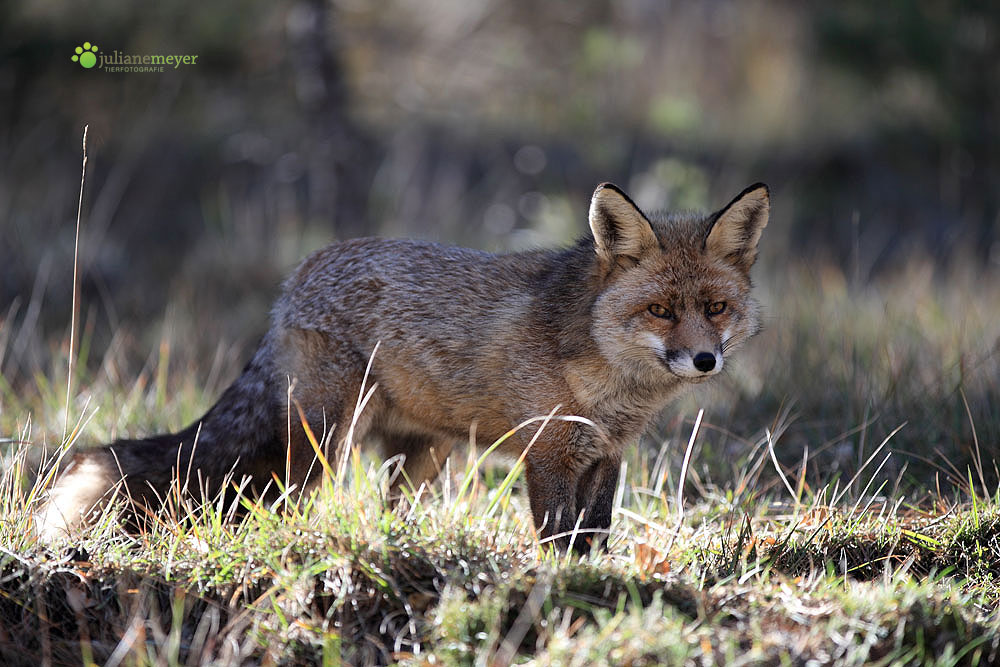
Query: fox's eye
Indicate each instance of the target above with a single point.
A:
(660, 311)
(716, 308)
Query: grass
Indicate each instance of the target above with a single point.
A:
(836, 503)
(768, 559)
(347, 579)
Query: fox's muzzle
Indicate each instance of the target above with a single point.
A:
(695, 366)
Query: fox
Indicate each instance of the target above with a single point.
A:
(607, 331)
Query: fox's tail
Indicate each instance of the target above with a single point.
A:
(240, 435)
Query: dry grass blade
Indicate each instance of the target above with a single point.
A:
(76, 289)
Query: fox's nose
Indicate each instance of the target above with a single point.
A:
(704, 361)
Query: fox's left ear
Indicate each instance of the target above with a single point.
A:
(735, 230)
(621, 231)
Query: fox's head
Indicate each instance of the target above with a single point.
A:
(677, 287)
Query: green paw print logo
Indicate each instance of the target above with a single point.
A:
(85, 55)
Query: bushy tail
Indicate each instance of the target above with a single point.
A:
(239, 436)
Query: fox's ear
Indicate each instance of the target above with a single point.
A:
(735, 230)
(621, 231)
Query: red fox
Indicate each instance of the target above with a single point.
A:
(609, 329)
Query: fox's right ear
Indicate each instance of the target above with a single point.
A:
(621, 231)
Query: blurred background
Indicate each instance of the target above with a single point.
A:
(488, 123)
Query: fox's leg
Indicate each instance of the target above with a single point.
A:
(325, 377)
(561, 482)
(550, 492)
(425, 457)
(571, 485)
(595, 495)
(330, 423)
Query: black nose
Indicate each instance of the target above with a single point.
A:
(704, 361)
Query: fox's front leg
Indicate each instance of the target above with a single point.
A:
(552, 494)
(595, 496)
(566, 476)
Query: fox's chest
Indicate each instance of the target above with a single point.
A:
(623, 405)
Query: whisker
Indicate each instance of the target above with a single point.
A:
(728, 344)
